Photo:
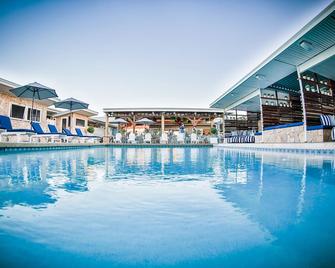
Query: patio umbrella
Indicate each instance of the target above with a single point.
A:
(145, 121)
(34, 91)
(71, 104)
(119, 121)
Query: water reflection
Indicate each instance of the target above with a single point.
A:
(179, 206)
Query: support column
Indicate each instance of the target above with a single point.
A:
(162, 123)
(134, 123)
(106, 133)
(223, 124)
(261, 115)
(302, 104)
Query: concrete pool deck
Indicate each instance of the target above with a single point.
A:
(325, 147)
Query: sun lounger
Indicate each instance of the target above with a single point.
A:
(19, 133)
(92, 138)
(50, 136)
(73, 137)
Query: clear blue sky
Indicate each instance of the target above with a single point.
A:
(143, 53)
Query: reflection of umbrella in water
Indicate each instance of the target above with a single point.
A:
(34, 91)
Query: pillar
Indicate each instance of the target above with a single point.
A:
(163, 123)
(106, 134)
(261, 114)
(302, 104)
(223, 124)
(134, 123)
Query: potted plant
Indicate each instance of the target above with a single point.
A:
(214, 138)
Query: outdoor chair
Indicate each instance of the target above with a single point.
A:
(19, 133)
(73, 137)
(90, 138)
(132, 138)
(164, 139)
(147, 138)
(49, 136)
(194, 138)
(118, 138)
(180, 138)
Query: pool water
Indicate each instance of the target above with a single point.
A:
(168, 207)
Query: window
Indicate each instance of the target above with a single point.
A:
(36, 115)
(69, 121)
(80, 123)
(17, 111)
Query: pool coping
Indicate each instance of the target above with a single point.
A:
(314, 148)
(17, 147)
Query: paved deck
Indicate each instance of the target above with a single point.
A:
(325, 147)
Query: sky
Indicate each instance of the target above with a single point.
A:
(172, 53)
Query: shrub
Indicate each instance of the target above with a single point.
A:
(214, 131)
(90, 130)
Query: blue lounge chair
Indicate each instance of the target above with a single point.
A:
(80, 134)
(69, 134)
(6, 124)
(52, 136)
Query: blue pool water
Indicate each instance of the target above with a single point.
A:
(181, 207)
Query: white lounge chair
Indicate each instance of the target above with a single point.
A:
(147, 138)
(164, 139)
(180, 138)
(118, 138)
(194, 138)
(132, 138)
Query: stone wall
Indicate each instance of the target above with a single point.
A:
(284, 135)
(6, 102)
(319, 135)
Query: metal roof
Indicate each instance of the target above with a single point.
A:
(320, 32)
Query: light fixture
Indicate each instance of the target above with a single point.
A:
(260, 76)
(306, 45)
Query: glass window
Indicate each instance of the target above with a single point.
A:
(17, 111)
(80, 122)
(36, 115)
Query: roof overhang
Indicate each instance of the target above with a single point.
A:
(84, 112)
(6, 85)
(320, 32)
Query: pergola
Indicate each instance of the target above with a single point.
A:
(131, 115)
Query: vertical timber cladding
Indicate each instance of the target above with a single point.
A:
(280, 107)
(319, 97)
(238, 122)
(281, 102)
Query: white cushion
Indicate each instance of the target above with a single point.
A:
(332, 120)
(325, 120)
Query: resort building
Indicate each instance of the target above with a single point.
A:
(291, 93)
(19, 109)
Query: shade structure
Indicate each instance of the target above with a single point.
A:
(119, 121)
(34, 91)
(145, 121)
(71, 104)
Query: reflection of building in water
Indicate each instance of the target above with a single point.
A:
(299, 178)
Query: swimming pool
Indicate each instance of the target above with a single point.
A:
(166, 207)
